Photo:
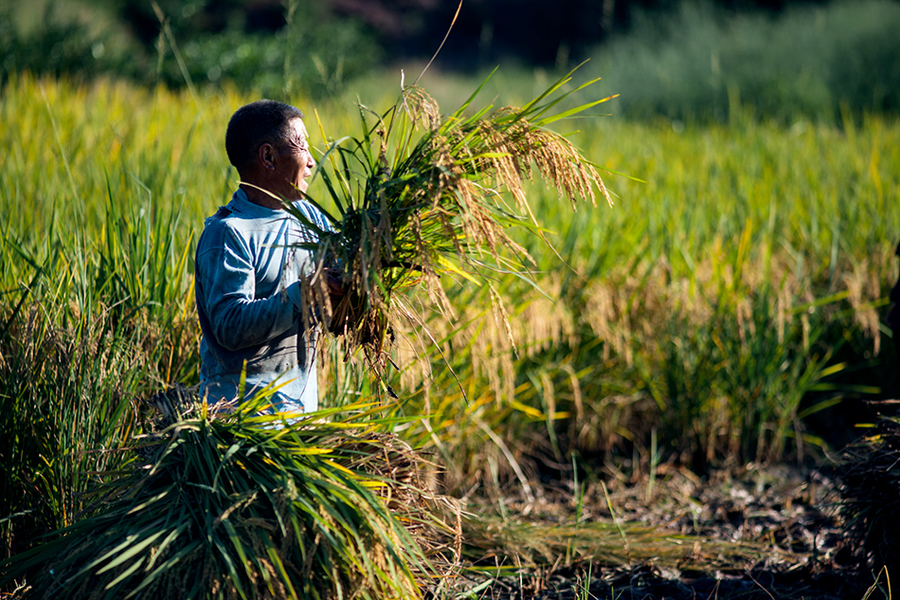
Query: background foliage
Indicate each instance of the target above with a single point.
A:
(682, 60)
(812, 61)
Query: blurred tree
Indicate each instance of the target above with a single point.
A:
(486, 31)
(491, 31)
(276, 47)
(64, 38)
(280, 47)
(193, 17)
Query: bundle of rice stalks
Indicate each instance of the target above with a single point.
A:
(535, 544)
(420, 195)
(868, 474)
(236, 507)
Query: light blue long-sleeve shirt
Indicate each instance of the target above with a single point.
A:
(248, 293)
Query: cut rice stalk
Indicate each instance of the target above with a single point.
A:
(422, 195)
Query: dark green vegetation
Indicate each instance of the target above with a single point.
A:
(178, 44)
(816, 61)
(683, 60)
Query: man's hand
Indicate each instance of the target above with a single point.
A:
(336, 289)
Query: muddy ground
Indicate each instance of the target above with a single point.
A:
(760, 533)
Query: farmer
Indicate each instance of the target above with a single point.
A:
(250, 272)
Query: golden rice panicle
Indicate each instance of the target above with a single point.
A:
(558, 158)
(519, 147)
(422, 109)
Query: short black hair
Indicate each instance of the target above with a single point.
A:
(255, 124)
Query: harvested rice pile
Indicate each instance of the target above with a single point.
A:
(869, 476)
(232, 506)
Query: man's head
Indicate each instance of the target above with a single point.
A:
(266, 141)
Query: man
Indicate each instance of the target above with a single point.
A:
(250, 271)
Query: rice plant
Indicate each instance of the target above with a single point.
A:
(65, 404)
(420, 195)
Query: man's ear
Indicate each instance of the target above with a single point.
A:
(266, 156)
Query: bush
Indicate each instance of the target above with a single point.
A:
(82, 45)
(312, 52)
(316, 60)
(702, 62)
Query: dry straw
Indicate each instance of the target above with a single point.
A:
(868, 473)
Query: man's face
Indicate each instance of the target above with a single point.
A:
(294, 162)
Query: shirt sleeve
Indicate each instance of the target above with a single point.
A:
(227, 281)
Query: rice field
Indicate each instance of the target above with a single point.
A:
(719, 313)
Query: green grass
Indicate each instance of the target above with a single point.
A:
(721, 301)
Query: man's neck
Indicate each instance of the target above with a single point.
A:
(259, 196)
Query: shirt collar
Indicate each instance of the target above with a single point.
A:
(241, 205)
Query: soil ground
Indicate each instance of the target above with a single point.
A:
(763, 533)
